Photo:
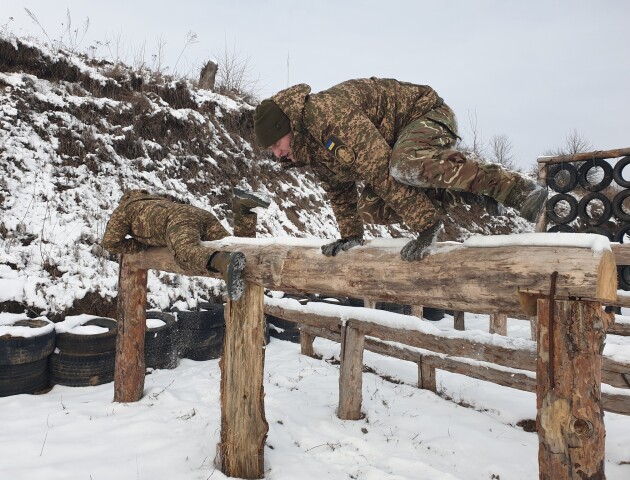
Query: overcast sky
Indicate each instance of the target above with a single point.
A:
(532, 70)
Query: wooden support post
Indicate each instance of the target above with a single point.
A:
(351, 374)
(306, 344)
(458, 320)
(132, 323)
(369, 303)
(570, 422)
(417, 311)
(498, 323)
(426, 373)
(243, 424)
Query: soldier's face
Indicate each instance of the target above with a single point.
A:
(282, 148)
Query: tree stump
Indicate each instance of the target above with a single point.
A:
(498, 323)
(458, 320)
(208, 75)
(306, 344)
(570, 421)
(243, 424)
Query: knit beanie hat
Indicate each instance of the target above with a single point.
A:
(270, 123)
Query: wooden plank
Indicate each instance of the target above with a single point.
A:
(570, 419)
(129, 368)
(582, 157)
(351, 374)
(243, 424)
(473, 279)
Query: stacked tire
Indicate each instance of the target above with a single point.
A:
(84, 356)
(201, 332)
(25, 345)
(160, 341)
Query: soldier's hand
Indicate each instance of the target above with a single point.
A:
(343, 244)
(418, 248)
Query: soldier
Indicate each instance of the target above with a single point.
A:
(397, 139)
(152, 220)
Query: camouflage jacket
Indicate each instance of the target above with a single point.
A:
(346, 135)
(142, 219)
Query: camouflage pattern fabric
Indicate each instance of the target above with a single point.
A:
(348, 134)
(151, 220)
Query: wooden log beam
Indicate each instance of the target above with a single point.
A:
(243, 424)
(473, 279)
(581, 157)
(132, 310)
(570, 419)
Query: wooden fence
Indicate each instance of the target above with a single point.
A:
(565, 286)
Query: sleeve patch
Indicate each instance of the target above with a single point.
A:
(340, 150)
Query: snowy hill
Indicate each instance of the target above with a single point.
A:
(75, 133)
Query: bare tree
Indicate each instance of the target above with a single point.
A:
(476, 147)
(235, 76)
(575, 142)
(501, 150)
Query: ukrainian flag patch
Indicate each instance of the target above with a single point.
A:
(340, 150)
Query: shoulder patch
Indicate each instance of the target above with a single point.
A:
(340, 150)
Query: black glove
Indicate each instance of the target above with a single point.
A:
(418, 248)
(332, 249)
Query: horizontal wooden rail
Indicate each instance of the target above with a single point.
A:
(582, 157)
(515, 353)
(472, 279)
(513, 378)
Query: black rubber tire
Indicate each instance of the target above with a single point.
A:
(601, 231)
(553, 201)
(560, 228)
(554, 170)
(623, 277)
(19, 350)
(81, 370)
(210, 352)
(73, 343)
(584, 202)
(617, 206)
(618, 172)
(433, 314)
(603, 183)
(394, 308)
(191, 341)
(23, 378)
(621, 232)
(202, 319)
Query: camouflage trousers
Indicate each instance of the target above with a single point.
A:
(373, 209)
(423, 156)
(184, 235)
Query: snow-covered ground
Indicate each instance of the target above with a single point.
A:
(407, 433)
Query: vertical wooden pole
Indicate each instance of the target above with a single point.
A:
(458, 320)
(426, 374)
(368, 303)
(417, 311)
(570, 422)
(541, 224)
(243, 424)
(351, 374)
(132, 323)
(498, 323)
(306, 344)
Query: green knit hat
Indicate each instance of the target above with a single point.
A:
(270, 123)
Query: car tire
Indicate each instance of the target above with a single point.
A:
(551, 212)
(79, 344)
(556, 169)
(587, 167)
(583, 209)
(618, 172)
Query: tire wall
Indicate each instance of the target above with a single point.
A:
(579, 204)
